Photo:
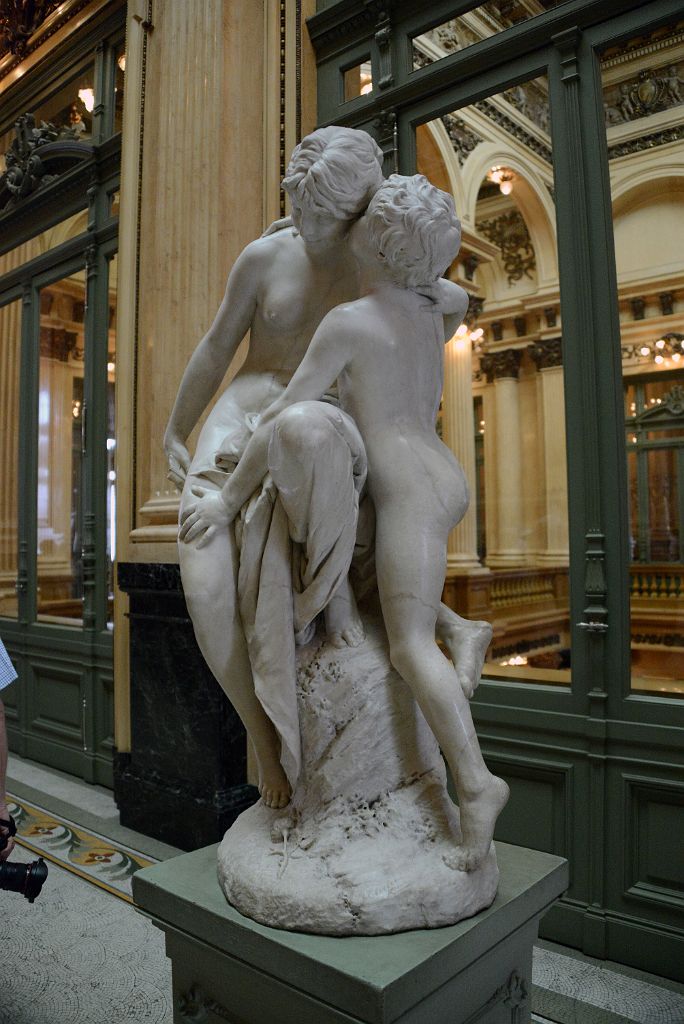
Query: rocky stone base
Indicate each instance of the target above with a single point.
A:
(360, 849)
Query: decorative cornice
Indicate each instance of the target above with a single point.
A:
(463, 139)
(548, 354)
(50, 23)
(652, 90)
(19, 19)
(509, 232)
(501, 365)
(650, 141)
(514, 129)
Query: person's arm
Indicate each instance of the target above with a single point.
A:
(451, 300)
(211, 359)
(4, 813)
(328, 354)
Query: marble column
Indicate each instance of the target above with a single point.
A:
(201, 203)
(502, 368)
(549, 361)
(457, 434)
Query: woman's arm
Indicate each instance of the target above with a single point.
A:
(212, 357)
(328, 354)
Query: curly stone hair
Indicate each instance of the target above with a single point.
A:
(414, 227)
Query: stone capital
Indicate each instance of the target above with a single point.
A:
(497, 365)
(547, 354)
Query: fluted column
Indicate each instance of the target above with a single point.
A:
(201, 203)
(457, 434)
(508, 549)
(549, 360)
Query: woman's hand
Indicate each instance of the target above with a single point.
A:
(205, 517)
(179, 460)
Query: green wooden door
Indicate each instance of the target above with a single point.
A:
(478, 96)
(58, 281)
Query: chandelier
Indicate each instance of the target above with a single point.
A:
(669, 348)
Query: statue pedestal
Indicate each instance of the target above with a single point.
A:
(229, 968)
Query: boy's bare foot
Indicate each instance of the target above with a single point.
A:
(342, 620)
(467, 643)
(478, 818)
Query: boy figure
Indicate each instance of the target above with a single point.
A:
(385, 350)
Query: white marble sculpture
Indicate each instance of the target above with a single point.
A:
(293, 494)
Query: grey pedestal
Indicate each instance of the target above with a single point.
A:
(228, 968)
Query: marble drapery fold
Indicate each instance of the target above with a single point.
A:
(296, 538)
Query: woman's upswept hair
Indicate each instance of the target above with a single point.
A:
(415, 228)
(336, 171)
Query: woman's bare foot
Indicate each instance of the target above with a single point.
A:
(342, 620)
(467, 643)
(273, 786)
(478, 818)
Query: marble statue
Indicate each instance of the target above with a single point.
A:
(321, 480)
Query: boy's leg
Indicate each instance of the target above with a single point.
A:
(410, 580)
(467, 641)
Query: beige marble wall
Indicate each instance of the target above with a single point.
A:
(201, 203)
(201, 169)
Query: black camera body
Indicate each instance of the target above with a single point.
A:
(26, 879)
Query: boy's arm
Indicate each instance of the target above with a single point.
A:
(451, 301)
(328, 354)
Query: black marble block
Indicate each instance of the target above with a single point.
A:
(184, 780)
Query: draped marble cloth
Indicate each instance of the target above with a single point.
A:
(296, 539)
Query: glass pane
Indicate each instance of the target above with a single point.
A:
(358, 81)
(61, 414)
(71, 107)
(480, 22)
(508, 559)
(643, 96)
(119, 83)
(10, 354)
(111, 441)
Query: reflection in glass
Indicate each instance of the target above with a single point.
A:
(503, 407)
(10, 352)
(643, 103)
(358, 81)
(111, 440)
(61, 425)
(71, 107)
(480, 22)
(119, 84)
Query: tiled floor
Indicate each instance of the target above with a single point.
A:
(81, 956)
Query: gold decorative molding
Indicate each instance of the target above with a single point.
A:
(64, 22)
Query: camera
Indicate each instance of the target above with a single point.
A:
(26, 879)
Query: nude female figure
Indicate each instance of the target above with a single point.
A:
(280, 289)
(386, 352)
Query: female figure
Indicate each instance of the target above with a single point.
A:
(279, 289)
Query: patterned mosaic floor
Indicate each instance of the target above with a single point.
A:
(107, 864)
(79, 956)
(573, 989)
